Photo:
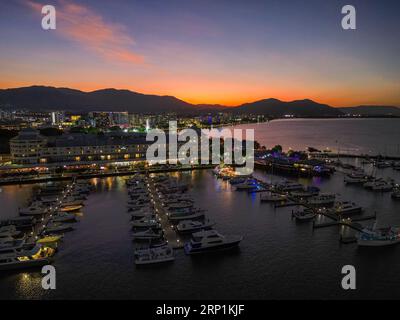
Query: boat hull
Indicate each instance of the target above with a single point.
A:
(25, 264)
(189, 250)
(377, 243)
(146, 262)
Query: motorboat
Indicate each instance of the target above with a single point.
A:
(14, 259)
(383, 164)
(308, 192)
(272, 197)
(370, 184)
(33, 210)
(63, 217)
(288, 186)
(12, 243)
(396, 165)
(148, 234)
(48, 199)
(50, 241)
(304, 215)
(178, 216)
(25, 222)
(145, 223)
(71, 201)
(182, 206)
(70, 208)
(347, 207)
(210, 240)
(382, 186)
(154, 255)
(355, 179)
(188, 226)
(138, 207)
(247, 184)
(82, 189)
(56, 227)
(139, 201)
(322, 199)
(176, 201)
(372, 237)
(239, 180)
(141, 214)
(396, 194)
(9, 231)
(77, 195)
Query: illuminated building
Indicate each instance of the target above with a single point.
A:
(29, 147)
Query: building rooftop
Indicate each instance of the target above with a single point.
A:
(28, 134)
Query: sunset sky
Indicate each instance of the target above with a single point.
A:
(208, 51)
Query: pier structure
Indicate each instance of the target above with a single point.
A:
(170, 234)
(336, 220)
(99, 174)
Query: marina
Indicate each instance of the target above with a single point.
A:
(109, 201)
(284, 223)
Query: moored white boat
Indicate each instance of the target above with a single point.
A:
(187, 226)
(210, 240)
(304, 215)
(288, 186)
(347, 207)
(146, 222)
(382, 186)
(177, 216)
(396, 194)
(9, 231)
(33, 211)
(154, 255)
(56, 227)
(148, 234)
(353, 179)
(247, 184)
(23, 259)
(372, 237)
(322, 200)
(272, 197)
(63, 217)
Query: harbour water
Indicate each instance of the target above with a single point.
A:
(352, 136)
(277, 259)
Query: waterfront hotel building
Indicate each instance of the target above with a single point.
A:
(31, 148)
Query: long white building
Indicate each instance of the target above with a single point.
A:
(29, 147)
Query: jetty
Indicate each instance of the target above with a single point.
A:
(170, 234)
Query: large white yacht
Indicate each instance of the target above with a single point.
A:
(154, 255)
(21, 259)
(210, 240)
(372, 237)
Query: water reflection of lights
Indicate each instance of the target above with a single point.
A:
(29, 284)
(109, 182)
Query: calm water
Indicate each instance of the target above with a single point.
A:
(278, 257)
(355, 136)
